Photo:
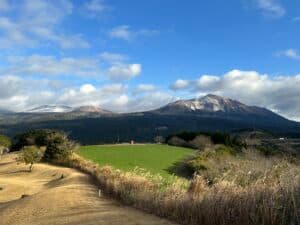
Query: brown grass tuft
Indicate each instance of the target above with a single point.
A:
(268, 201)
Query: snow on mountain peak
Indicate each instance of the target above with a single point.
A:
(51, 109)
(208, 103)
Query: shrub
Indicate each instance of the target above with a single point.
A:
(33, 137)
(5, 141)
(191, 139)
(176, 141)
(58, 147)
(30, 155)
(200, 142)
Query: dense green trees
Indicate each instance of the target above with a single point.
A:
(56, 144)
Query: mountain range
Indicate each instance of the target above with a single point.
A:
(66, 109)
(93, 125)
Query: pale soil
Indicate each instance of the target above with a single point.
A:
(52, 200)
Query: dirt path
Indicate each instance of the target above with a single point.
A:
(59, 195)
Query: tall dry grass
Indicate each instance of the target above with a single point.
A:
(265, 202)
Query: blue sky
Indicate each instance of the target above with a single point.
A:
(137, 55)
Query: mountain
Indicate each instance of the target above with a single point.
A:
(5, 112)
(93, 125)
(64, 109)
(91, 109)
(214, 105)
(51, 109)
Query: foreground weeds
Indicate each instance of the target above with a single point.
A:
(265, 202)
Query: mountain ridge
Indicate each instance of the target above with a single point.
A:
(214, 105)
(209, 114)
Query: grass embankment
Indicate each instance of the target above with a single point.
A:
(245, 190)
(157, 159)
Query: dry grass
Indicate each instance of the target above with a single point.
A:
(271, 200)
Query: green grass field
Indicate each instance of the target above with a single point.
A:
(154, 158)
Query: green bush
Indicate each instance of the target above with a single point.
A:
(33, 137)
(5, 141)
(216, 138)
(56, 143)
(30, 155)
(59, 147)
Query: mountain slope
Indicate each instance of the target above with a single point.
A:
(210, 113)
(90, 109)
(211, 104)
(50, 109)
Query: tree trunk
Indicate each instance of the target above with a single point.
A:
(30, 167)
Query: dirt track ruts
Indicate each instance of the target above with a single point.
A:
(57, 195)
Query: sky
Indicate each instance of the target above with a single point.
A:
(137, 55)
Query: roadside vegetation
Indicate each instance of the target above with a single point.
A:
(230, 182)
(5, 144)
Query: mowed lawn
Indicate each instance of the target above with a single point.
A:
(152, 157)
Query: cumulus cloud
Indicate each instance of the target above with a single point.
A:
(19, 94)
(180, 85)
(290, 53)
(279, 93)
(87, 89)
(124, 32)
(124, 72)
(271, 8)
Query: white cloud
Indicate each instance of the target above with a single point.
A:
(271, 8)
(280, 93)
(125, 33)
(18, 94)
(142, 88)
(96, 6)
(105, 66)
(121, 101)
(124, 72)
(4, 5)
(290, 53)
(53, 66)
(114, 89)
(206, 81)
(180, 84)
(37, 24)
(113, 57)
(296, 19)
(87, 89)
(149, 101)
